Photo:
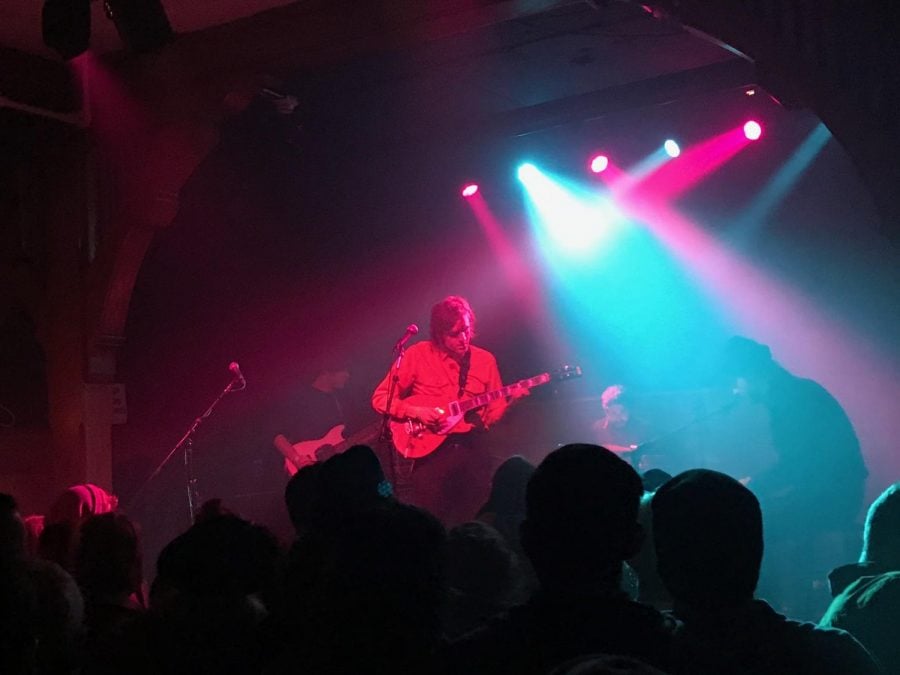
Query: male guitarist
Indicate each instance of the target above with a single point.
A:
(452, 481)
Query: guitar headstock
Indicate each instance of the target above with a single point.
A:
(566, 373)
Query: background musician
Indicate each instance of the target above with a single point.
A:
(619, 430)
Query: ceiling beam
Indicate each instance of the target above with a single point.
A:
(679, 85)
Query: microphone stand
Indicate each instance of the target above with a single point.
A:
(641, 448)
(187, 443)
(385, 434)
(385, 437)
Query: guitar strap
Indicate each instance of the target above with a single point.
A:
(464, 373)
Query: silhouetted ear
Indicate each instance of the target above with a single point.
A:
(636, 541)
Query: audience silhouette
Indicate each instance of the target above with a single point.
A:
(708, 532)
(18, 597)
(580, 526)
(43, 611)
(108, 564)
(483, 577)
(59, 529)
(651, 589)
(207, 602)
(504, 509)
(867, 594)
(301, 497)
(371, 585)
(365, 593)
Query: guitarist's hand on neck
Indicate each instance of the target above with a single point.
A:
(518, 392)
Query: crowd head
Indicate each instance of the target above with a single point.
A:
(881, 537)
(707, 528)
(581, 514)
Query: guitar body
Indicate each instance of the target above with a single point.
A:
(303, 453)
(307, 449)
(413, 439)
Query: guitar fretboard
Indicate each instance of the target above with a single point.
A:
(364, 436)
(503, 392)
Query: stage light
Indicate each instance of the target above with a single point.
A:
(142, 24)
(599, 163)
(568, 218)
(469, 189)
(527, 172)
(66, 26)
(671, 148)
(752, 130)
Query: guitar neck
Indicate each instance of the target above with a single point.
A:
(503, 392)
(362, 437)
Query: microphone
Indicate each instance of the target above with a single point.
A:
(411, 330)
(236, 369)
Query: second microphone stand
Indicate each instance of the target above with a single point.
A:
(186, 443)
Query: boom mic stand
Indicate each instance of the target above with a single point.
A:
(187, 444)
(641, 448)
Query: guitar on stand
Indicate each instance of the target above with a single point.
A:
(304, 453)
(414, 439)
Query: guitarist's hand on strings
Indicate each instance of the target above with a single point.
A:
(425, 414)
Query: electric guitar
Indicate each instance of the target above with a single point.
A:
(414, 439)
(303, 453)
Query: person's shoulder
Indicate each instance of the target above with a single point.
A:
(887, 582)
(481, 354)
(869, 609)
(806, 390)
(523, 638)
(841, 577)
(874, 593)
(420, 353)
(759, 634)
(56, 589)
(835, 650)
(421, 348)
(49, 573)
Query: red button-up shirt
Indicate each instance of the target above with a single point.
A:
(429, 371)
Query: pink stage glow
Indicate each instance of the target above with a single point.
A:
(669, 180)
(116, 117)
(527, 289)
(752, 130)
(599, 163)
(470, 189)
(804, 338)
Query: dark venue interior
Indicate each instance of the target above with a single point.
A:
(217, 218)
